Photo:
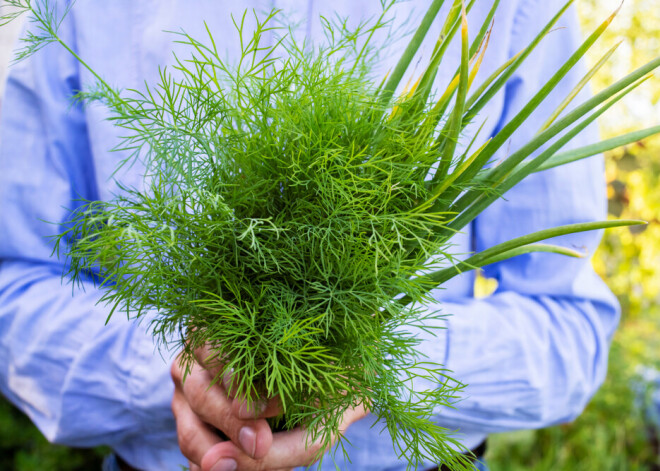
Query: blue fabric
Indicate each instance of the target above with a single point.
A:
(110, 463)
(647, 392)
(532, 354)
(481, 465)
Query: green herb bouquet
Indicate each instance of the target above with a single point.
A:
(295, 210)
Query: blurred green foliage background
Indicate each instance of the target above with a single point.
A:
(612, 434)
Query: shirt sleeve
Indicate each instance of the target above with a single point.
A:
(533, 353)
(83, 383)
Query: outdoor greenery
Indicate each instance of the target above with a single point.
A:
(261, 239)
(23, 447)
(613, 433)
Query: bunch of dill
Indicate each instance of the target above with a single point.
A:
(285, 211)
(289, 221)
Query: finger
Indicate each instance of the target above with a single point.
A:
(212, 406)
(176, 372)
(193, 467)
(256, 409)
(216, 366)
(352, 415)
(243, 408)
(288, 451)
(195, 437)
(229, 382)
(210, 360)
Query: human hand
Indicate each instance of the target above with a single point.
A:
(199, 408)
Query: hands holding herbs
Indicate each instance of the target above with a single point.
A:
(201, 406)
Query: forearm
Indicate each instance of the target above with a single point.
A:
(83, 383)
(63, 366)
(527, 361)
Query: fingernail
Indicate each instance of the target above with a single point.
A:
(255, 410)
(248, 439)
(227, 379)
(225, 464)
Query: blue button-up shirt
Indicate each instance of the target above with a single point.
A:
(531, 354)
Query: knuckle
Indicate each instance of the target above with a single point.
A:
(261, 466)
(175, 404)
(175, 372)
(313, 454)
(186, 437)
(226, 422)
(195, 392)
(213, 412)
(200, 354)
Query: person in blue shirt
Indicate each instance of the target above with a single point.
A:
(532, 354)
